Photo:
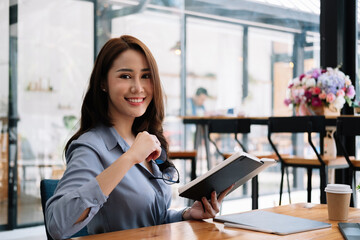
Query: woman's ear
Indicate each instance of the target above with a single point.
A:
(103, 87)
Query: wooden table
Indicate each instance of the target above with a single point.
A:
(212, 230)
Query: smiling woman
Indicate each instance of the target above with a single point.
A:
(129, 86)
(112, 181)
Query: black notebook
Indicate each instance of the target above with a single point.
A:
(350, 231)
(269, 222)
(237, 169)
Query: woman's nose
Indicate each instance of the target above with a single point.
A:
(137, 86)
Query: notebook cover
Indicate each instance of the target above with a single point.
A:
(270, 222)
(237, 169)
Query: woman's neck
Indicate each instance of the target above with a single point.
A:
(124, 129)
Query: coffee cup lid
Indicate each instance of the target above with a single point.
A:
(338, 188)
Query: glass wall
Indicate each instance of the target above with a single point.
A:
(55, 57)
(4, 96)
(214, 62)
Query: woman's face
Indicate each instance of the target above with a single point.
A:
(129, 85)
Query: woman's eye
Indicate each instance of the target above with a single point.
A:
(146, 75)
(125, 76)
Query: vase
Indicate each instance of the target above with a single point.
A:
(330, 144)
(331, 111)
(309, 110)
(356, 110)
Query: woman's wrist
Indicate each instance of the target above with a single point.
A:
(131, 157)
(186, 214)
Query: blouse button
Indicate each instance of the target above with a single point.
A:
(95, 201)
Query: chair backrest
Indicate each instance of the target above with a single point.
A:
(346, 127)
(298, 124)
(229, 126)
(47, 189)
(301, 124)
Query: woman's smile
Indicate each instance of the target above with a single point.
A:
(135, 101)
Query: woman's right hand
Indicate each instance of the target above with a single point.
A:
(146, 146)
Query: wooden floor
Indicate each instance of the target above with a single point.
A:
(31, 233)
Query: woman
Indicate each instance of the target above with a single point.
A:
(112, 181)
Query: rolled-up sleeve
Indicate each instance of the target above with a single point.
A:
(174, 215)
(77, 191)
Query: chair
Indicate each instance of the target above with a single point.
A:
(234, 127)
(228, 126)
(349, 127)
(185, 155)
(309, 125)
(47, 189)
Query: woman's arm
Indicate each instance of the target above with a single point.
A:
(145, 147)
(109, 178)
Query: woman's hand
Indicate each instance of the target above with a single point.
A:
(145, 147)
(211, 208)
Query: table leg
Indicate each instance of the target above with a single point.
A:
(207, 148)
(23, 180)
(255, 192)
(202, 132)
(309, 184)
(193, 168)
(323, 183)
(197, 140)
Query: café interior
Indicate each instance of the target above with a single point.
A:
(243, 52)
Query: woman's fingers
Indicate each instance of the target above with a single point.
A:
(223, 194)
(215, 202)
(156, 140)
(156, 151)
(146, 146)
(155, 154)
(208, 208)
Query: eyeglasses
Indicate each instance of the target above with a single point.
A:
(170, 174)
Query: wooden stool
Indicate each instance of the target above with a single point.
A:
(186, 155)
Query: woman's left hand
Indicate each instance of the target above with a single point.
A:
(212, 207)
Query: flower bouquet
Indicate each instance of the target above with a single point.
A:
(317, 89)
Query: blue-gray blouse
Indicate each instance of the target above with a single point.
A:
(137, 201)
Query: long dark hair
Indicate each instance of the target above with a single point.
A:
(94, 109)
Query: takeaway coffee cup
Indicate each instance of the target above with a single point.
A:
(338, 201)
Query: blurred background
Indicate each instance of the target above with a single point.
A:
(243, 52)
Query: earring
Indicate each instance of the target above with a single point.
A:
(104, 89)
